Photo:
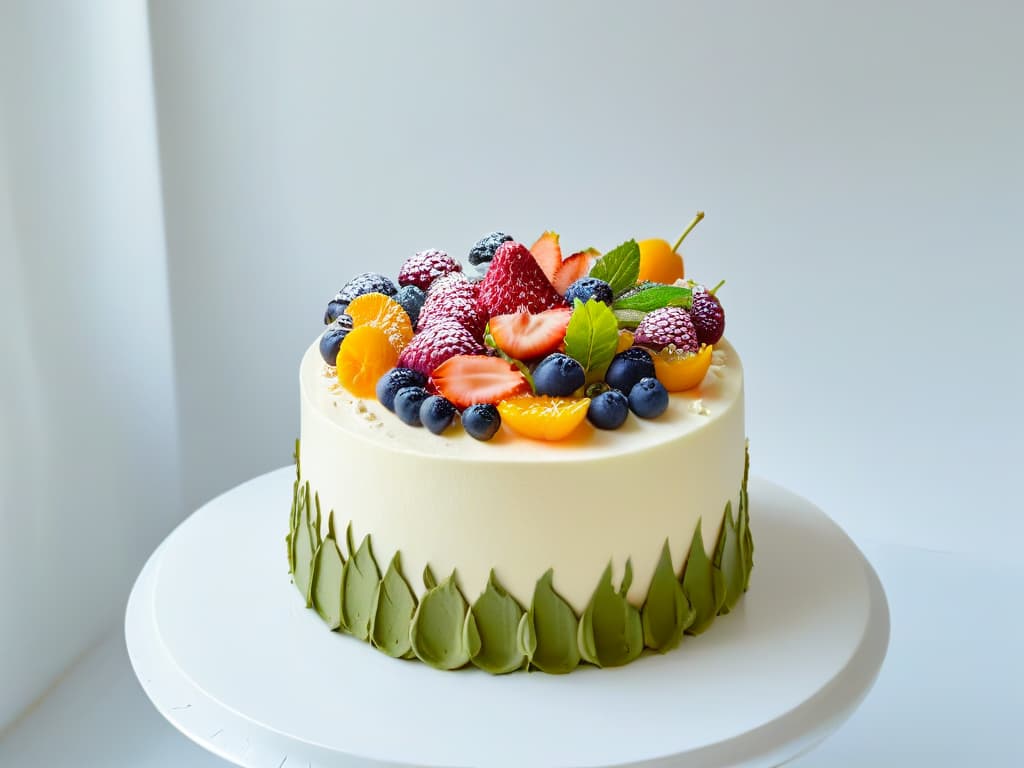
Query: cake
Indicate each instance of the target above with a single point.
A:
(526, 462)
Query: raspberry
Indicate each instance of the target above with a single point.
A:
(453, 298)
(423, 268)
(707, 315)
(516, 283)
(432, 346)
(668, 325)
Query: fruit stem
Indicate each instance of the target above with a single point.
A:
(689, 229)
(720, 284)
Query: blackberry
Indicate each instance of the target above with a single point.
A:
(368, 282)
(485, 247)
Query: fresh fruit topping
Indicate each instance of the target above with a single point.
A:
(368, 282)
(394, 380)
(548, 253)
(525, 336)
(380, 311)
(432, 346)
(423, 268)
(481, 421)
(572, 269)
(589, 288)
(516, 283)
(682, 371)
(483, 251)
(330, 341)
(619, 267)
(407, 404)
(437, 413)
(454, 298)
(661, 262)
(647, 297)
(470, 379)
(335, 309)
(627, 368)
(608, 410)
(366, 355)
(625, 340)
(668, 325)
(592, 337)
(707, 315)
(544, 418)
(648, 398)
(558, 375)
(411, 298)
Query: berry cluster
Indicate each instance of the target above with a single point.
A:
(535, 341)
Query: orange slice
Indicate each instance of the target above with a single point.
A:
(680, 372)
(544, 418)
(366, 354)
(383, 312)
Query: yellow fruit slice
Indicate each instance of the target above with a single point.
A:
(625, 341)
(659, 263)
(366, 354)
(383, 312)
(544, 418)
(678, 372)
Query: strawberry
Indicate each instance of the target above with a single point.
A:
(470, 379)
(525, 336)
(571, 270)
(453, 297)
(432, 346)
(515, 282)
(548, 254)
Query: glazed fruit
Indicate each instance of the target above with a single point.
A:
(454, 298)
(627, 368)
(470, 379)
(525, 336)
(608, 410)
(481, 421)
(668, 325)
(394, 380)
(366, 355)
(437, 414)
(558, 375)
(368, 282)
(544, 418)
(660, 262)
(707, 315)
(589, 288)
(483, 251)
(411, 298)
(682, 371)
(407, 404)
(648, 398)
(330, 340)
(516, 283)
(383, 312)
(423, 268)
(432, 346)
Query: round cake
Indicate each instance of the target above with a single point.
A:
(590, 506)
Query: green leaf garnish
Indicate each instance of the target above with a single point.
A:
(655, 297)
(592, 337)
(620, 267)
(629, 318)
(519, 364)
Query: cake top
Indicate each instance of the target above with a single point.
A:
(524, 339)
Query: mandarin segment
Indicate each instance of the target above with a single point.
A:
(544, 418)
(379, 311)
(365, 356)
(679, 372)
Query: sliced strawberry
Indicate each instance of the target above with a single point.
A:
(548, 254)
(572, 269)
(469, 379)
(516, 283)
(525, 336)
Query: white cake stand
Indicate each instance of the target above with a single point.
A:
(223, 647)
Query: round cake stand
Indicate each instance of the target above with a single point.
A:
(224, 648)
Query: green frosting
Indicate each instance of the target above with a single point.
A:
(703, 585)
(610, 632)
(492, 627)
(547, 632)
(328, 566)
(438, 627)
(728, 560)
(305, 542)
(666, 613)
(746, 539)
(393, 607)
(359, 580)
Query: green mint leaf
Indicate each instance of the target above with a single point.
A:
(620, 267)
(592, 337)
(629, 318)
(656, 297)
(523, 367)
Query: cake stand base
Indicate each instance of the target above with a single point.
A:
(224, 648)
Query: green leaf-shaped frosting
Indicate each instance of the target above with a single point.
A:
(703, 585)
(655, 297)
(666, 613)
(359, 585)
(305, 543)
(492, 627)
(393, 607)
(438, 630)
(549, 641)
(328, 565)
(743, 525)
(592, 337)
(620, 267)
(728, 560)
(610, 631)
(429, 580)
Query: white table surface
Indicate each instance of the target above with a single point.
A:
(951, 692)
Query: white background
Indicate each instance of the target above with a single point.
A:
(184, 185)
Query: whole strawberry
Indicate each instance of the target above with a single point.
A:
(516, 283)
(707, 315)
(423, 268)
(432, 346)
(453, 298)
(668, 325)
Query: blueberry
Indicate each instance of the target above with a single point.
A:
(481, 421)
(648, 398)
(330, 341)
(368, 282)
(411, 298)
(589, 288)
(608, 410)
(558, 375)
(485, 247)
(335, 308)
(407, 404)
(436, 413)
(394, 380)
(628, 368)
